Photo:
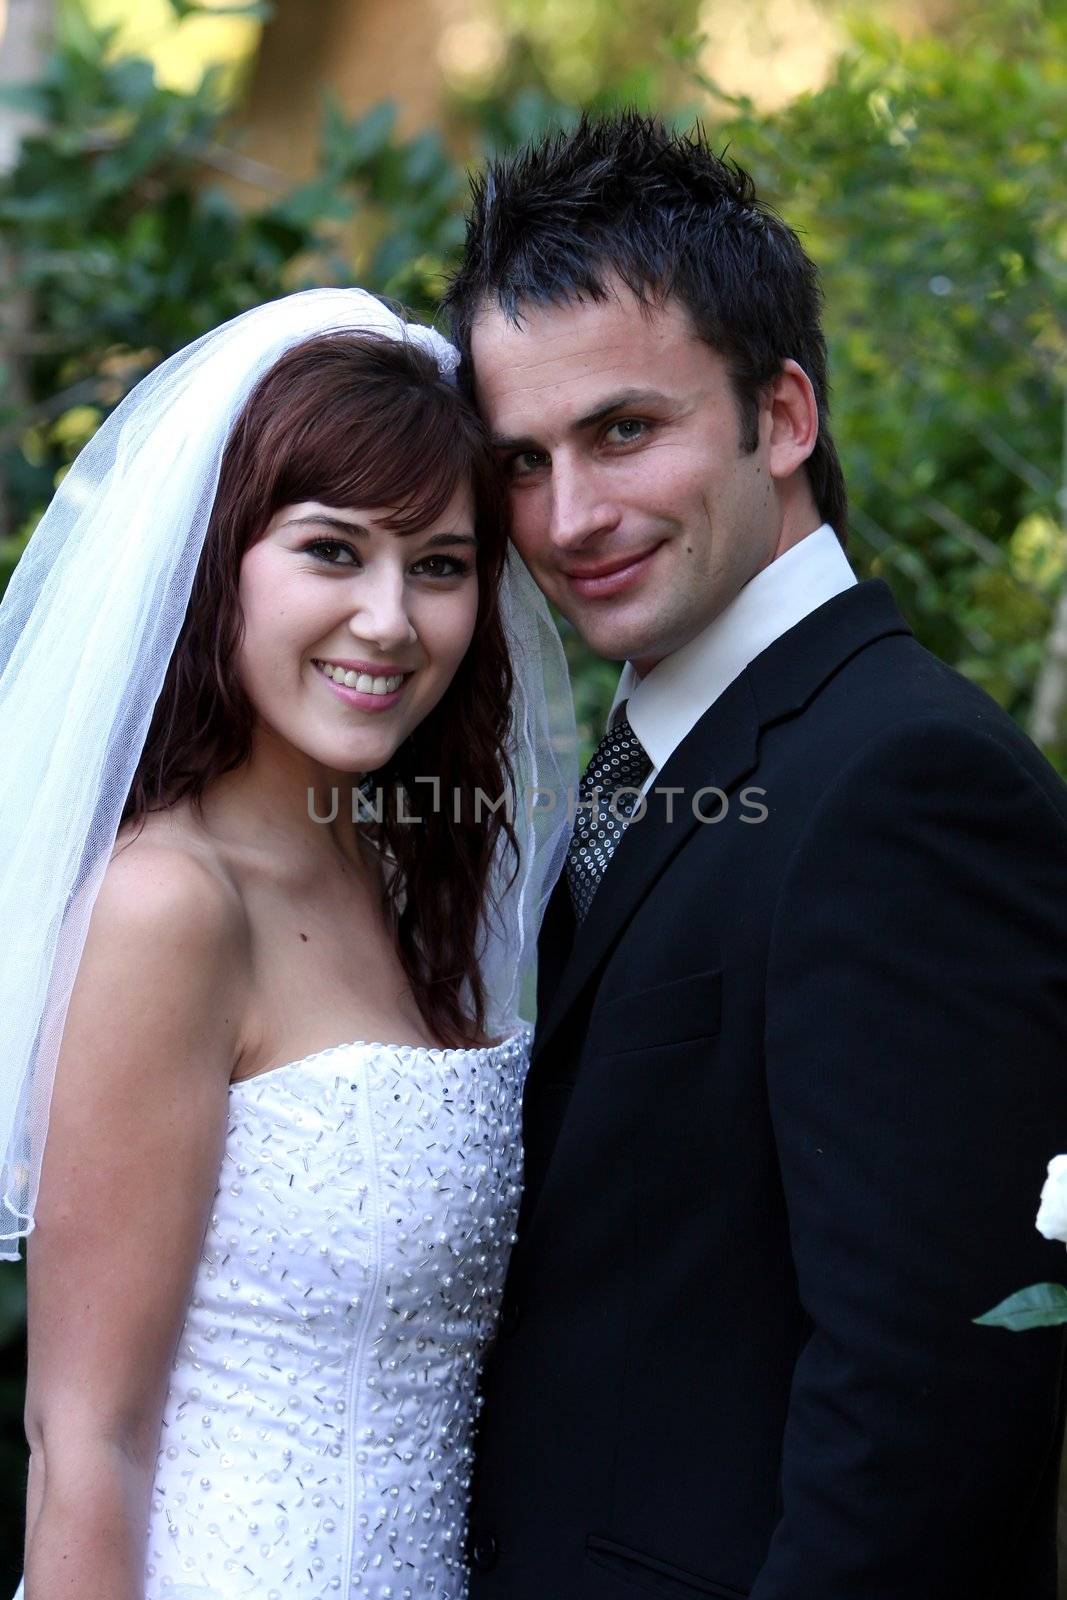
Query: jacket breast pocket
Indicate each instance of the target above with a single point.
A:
(681, 1011)
(640, 1571)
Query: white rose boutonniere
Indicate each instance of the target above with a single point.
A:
(1043, 1305)
(1052, 1215)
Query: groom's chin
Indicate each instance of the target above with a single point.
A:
(645, 620)
(616, 643)
(621, 630)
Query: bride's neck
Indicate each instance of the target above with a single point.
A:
(282, 802)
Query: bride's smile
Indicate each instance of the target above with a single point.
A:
(353, 631)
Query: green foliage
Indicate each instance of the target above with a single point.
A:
(925, 178)
(593, 52)
(1042, 1305)
(195, 8)
(129, 246)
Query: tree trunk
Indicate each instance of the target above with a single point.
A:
(24, 45)
(361, 51)
(26, 28)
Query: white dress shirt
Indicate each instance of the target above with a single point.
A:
(668, 702)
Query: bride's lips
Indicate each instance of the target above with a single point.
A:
(610, 577)
(364, 702)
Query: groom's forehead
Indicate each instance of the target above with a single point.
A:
(509, 329)
(579, 353)
(609, 298)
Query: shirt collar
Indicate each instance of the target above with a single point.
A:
(667, 703)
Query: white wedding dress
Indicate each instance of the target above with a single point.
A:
(316, 1438)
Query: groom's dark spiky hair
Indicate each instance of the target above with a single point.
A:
(624, 195)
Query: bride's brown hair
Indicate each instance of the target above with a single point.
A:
(361, 420)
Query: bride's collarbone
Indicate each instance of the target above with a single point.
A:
(320, 980)
(313, 956)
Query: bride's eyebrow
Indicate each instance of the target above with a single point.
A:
(317, 520)
(322, 520)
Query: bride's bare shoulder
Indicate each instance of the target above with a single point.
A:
(164, 968)
(165, 866)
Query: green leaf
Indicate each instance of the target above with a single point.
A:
(1043, 1305)
(352, 146)
(133, 81)
(31, 97)
(318, 200)
(258, 10)
(79, 35)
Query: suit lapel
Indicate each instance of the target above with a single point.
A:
(721, 751)
(554, 943)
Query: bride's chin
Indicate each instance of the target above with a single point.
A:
(352, 766)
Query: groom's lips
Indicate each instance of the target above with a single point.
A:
(609, 577)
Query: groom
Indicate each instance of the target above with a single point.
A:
(802, 1042)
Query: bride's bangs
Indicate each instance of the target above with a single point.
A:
(356, 421)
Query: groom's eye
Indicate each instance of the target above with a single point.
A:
(523, 462)
(628, 429)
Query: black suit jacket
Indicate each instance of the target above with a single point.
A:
(795, 1085)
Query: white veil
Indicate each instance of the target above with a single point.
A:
(87, 629)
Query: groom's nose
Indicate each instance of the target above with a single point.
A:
(579, 506)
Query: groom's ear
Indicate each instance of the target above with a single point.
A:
(791, 418)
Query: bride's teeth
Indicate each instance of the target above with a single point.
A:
(363, 681)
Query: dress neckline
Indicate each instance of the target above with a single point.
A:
(433, 1052)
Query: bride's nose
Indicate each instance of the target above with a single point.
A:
(381, 616)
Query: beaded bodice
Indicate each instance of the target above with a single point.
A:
(316, 1435)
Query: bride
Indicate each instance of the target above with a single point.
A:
(267, 673)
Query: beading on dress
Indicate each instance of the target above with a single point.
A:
(317, 1432)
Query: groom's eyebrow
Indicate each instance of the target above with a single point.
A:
(624, 400)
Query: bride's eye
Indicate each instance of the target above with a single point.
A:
(441, 567)
(323, 550)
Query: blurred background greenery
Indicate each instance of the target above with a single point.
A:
(165, 164)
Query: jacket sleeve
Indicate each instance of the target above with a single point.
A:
(916, 1034)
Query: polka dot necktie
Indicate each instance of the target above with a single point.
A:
(620, 761)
